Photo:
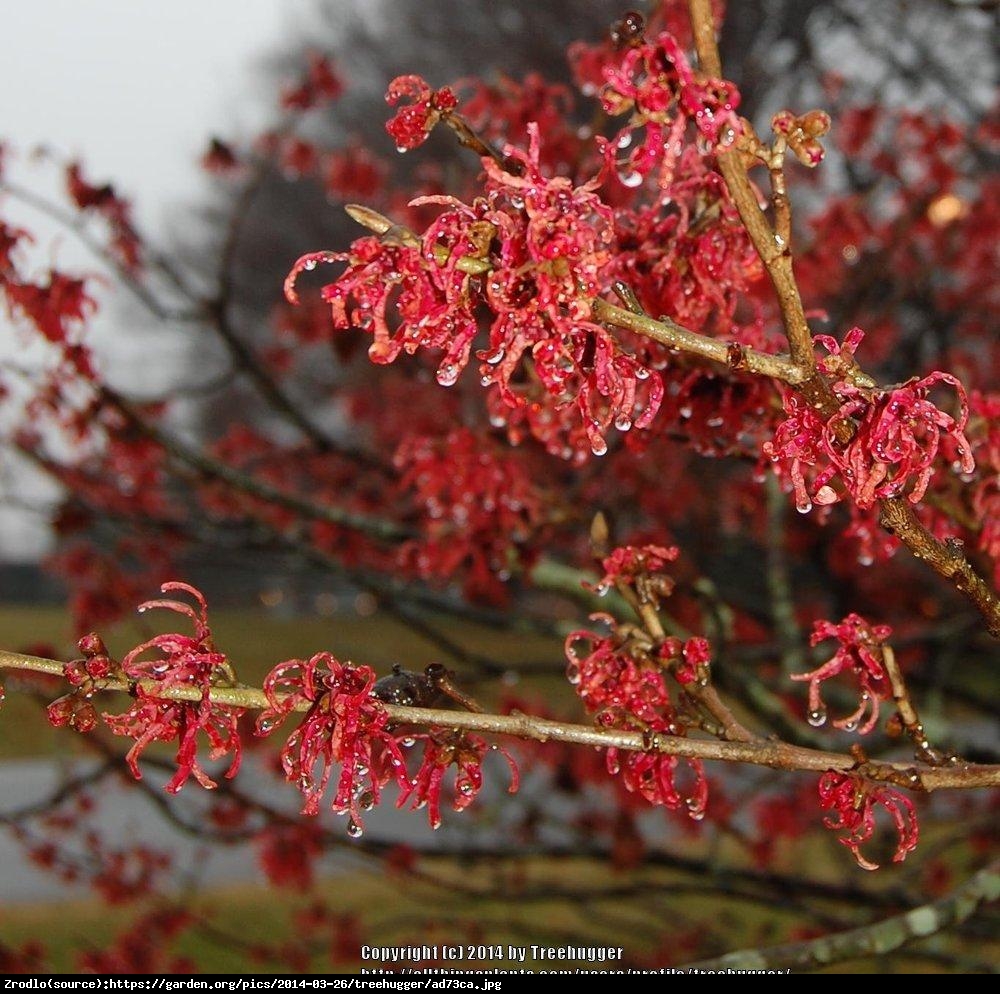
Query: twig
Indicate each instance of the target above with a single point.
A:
(896, 515)
(775, 755)
(869, 940)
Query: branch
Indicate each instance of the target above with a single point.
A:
(896, 515)
(869, 940)
(775, 755)
(243, 483)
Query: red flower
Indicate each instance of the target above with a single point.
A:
(895, 437)
(859, 654)
(852, 801)
(55, 307)
(344, 724)
(624, 693)
(630, 563)
(479, 510)
(287, 854)
(115, 210)
(219, 158)
(465, 752)
(319, 85)
(415, 121)
(654, 81)
(182, 661)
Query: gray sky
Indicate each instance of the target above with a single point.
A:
(134, 88)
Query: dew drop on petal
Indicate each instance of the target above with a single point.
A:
(354, 830)
(447, 374)
(803, 506)
(623, 422)
(631, 179)
(598, 446)
(817, 718)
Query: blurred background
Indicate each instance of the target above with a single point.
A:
(179, 107)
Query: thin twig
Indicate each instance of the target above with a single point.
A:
(870, 940)
(775, 755)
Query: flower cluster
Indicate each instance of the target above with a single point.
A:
(852, 800)
(116, 212)
(479, 510)
(640, 567)
(894, 438)
(858, 654)
(622, 689)
(414, 121)
(543, 245)
(181, 661)
(319, 84)
(465, 752)
(653, 81)
(344, 723)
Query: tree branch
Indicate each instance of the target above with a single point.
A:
(775, 755)
(869, 940)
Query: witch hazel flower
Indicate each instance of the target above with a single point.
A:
(859, 655)
(188, 661)
(623, 691)
(442, 750)
(895, 436)
(415, 120)
(344, 724)
(852, 801)
(534, 253)
(655, 82)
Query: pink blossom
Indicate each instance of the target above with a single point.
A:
(414, 121)
(344, 724)
(180, 661)
(852, 800)
(859, 655)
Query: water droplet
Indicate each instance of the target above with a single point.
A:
(573, 674)
(642, 373)
(466, 789)
(265, 725)
(142, 609)
(851, 726)
(517, 202)
(632, 179)
(697, 814)
(817, 718)
(309, 264)
(408, 743)
(367, 801)
(354, 830)
(865, 559)
(598, 446)
(623, 422)
(803, 506)
(447, 374)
